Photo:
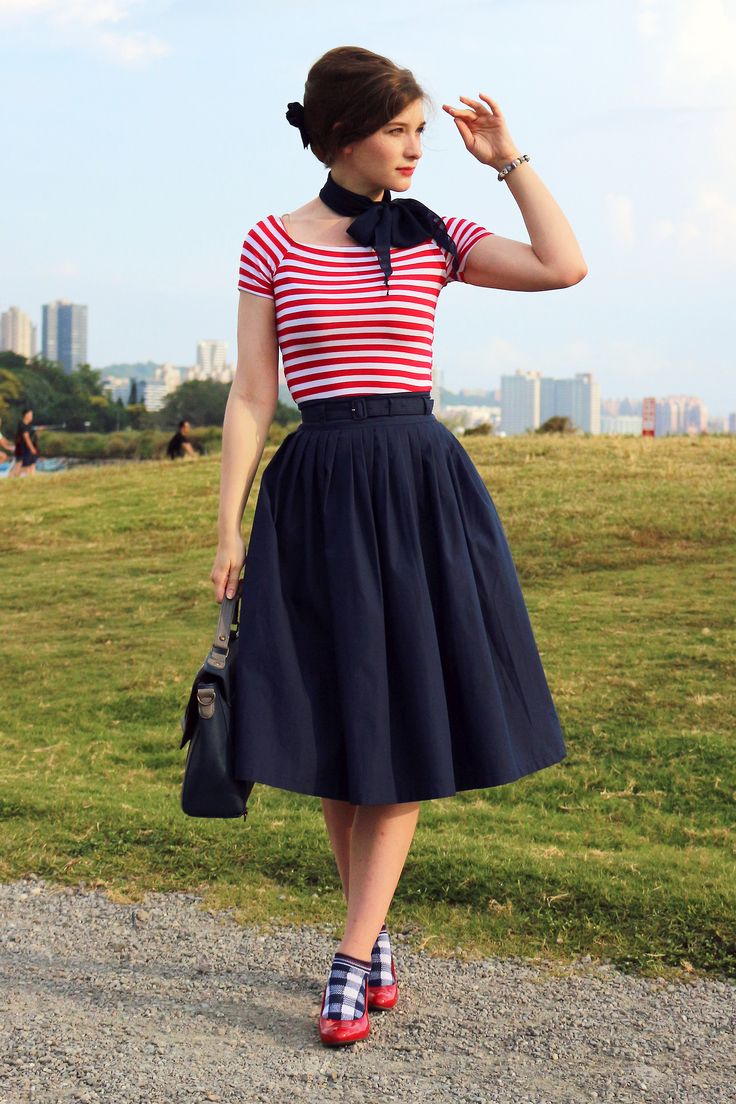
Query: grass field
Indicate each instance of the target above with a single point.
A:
(625, 550)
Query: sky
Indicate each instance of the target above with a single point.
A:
(143, 139)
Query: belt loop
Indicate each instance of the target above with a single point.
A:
(388, 397)
(358, 411)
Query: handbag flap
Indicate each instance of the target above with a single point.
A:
(214, 666)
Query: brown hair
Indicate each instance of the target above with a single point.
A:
(351, 93)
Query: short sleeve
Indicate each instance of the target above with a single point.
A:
(258, 261)
(465, 235)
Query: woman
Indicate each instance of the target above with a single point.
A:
(386, 655)
(26, 445)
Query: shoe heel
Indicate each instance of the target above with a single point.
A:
(379, 997)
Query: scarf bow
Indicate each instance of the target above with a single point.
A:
(387, 222)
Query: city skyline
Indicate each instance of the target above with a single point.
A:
(607, 135)
(523, 401)
(17, 331)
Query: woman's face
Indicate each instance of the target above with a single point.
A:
(374, 164)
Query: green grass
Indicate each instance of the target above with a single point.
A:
(625, 550)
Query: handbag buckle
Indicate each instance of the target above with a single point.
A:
(206, 701)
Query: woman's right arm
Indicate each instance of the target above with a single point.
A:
(251, 405)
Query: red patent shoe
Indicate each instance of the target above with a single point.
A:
(336, 1032)
(383, 996)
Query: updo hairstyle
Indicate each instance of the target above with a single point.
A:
(351, 93)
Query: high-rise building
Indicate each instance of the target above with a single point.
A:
(717, 423)
(166, 378)
(211, 360)
(680, 414)
(578, 399)
(118, 387)
(64, 333)
(17, 333)
(520, 401)
(529, 399)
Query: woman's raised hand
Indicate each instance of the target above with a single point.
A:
(484, 131)
(229, 559)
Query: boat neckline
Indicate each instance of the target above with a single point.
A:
(331, 248)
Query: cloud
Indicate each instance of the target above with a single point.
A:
(693, 45)
(88, 24)
(688, 52)
(703, 229)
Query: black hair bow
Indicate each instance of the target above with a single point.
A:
(295, 116)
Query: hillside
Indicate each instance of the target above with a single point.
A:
(625, 550)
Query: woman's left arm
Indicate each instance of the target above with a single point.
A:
(553, 259)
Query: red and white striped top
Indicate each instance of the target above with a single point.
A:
(338, 331)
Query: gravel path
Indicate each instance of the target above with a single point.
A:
(164, 1002)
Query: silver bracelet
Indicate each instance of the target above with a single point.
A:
(512, 165)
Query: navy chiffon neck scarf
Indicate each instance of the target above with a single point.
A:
(387, 222)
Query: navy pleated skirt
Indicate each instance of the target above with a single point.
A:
(386, 652)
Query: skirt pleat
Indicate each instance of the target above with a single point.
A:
(386, 653)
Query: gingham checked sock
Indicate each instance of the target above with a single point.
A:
(381, 960)
(345, 990)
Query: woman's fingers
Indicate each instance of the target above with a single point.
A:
(221, 577)
(491, 108)
(232, 585)
(493, 104)
(458, 112)
(229, 561)
(475, 108)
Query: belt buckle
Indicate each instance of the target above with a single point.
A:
(358, 408)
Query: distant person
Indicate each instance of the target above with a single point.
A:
(180, 445)
(26, 445)
(5, 444)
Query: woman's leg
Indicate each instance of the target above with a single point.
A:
(339, 816)
(372, 842)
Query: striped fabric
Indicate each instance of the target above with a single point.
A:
(338, 331)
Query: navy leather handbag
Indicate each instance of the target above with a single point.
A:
(209, 788)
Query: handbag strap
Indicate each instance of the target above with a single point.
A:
(226, 619)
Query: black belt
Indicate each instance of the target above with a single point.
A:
(365, 406)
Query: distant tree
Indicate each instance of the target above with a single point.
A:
(285, 414)
(139, 417)
(10, 390)
(201, 401)
(133, 393)
(9, 359)
(558, 423)
(86, 381)
(58, 398)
